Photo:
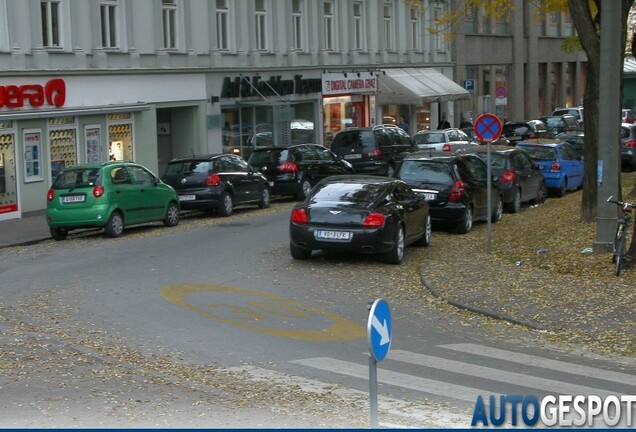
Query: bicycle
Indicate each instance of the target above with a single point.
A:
(620, 240)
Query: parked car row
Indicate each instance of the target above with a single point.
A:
(365, 214)
(452, 185)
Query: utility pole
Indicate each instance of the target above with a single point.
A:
(609, 164)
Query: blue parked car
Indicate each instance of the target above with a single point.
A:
(561, 164)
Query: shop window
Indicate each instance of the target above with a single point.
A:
(120, 137)
(8, 186)
(32, 146)
(62, 144)
(93, 143)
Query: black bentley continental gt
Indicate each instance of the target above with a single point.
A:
(362, 214)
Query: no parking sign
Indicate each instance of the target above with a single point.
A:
(487, 127)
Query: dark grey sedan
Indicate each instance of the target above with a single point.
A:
(216, 183)
(362, 214)
(520, 179)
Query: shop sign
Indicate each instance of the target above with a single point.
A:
(243, 86)
(53, 92)
(347, 83)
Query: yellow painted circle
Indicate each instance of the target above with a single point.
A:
(262, 312)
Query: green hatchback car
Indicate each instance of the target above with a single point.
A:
(110, 196)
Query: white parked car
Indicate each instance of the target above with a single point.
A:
(446, 140)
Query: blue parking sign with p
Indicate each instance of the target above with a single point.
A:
(469, 85)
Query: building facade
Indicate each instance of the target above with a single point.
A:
(150, 80)
(514, 65)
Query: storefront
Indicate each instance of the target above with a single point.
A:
(422, 95)
(50, 123)
(248, 111)
(348, 100)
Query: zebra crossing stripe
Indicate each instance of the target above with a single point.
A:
(515, 378)
(541, 362)
(422, 415)
(397, 379)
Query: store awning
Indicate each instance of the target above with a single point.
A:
(415, 86)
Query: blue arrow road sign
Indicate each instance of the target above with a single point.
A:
(379, 329)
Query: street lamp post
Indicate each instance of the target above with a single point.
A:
(609, 111)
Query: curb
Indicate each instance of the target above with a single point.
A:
(476, 309)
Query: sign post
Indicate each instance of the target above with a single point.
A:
(487, 129)
(379, 333)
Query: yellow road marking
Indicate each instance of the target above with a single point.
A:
(261, 311)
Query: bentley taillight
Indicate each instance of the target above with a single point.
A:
(299, 216)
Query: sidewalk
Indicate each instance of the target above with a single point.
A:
(32, 228)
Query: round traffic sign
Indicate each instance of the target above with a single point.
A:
(379, 329)
(487, 127)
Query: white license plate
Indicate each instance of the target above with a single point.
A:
(353, 156)
(333, 235)
(187, 197)
(429, 196)
(73, 199)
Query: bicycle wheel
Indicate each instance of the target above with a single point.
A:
(620, 253)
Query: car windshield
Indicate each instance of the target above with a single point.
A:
(497, 160)
(518, 129)
(347, 192)
(78, 178)
(354, 139)
(188, 167)
(540, 153)
(553, 122)
(262, 157)
(429, 138)
(426, 171)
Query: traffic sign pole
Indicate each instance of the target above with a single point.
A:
(488, 129)
(373, 392)
(379, 333)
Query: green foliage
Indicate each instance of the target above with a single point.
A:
(571, 44)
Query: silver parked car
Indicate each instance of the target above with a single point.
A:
(446, 140)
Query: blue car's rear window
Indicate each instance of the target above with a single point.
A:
(541, 153)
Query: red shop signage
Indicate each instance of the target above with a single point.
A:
(53, 93)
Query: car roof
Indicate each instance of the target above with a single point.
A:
(270, 148)
(541, 142)
(101, 165)
(199, 157)
(358, 178)
(502, 150)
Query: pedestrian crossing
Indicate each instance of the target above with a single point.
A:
(456, 375)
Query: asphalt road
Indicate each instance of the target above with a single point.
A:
(212, 324)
